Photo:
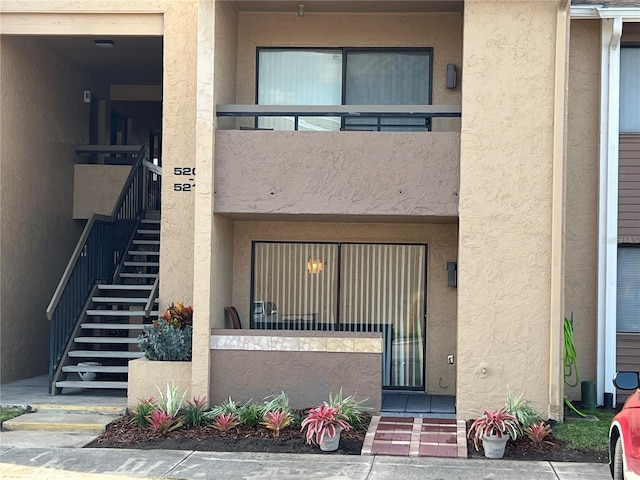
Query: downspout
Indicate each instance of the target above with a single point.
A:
(608, 205)
(556, 321)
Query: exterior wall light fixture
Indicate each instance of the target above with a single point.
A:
(301, 9)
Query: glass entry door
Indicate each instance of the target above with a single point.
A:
(383, 286)
(347, 287)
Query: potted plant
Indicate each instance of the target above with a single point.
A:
(323, 425)
(493, 429)
(170, 337)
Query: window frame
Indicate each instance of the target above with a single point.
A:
(344, 52)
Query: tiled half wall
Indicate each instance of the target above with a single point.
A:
(307, 365)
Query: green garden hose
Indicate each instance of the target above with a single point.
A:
(570, 365)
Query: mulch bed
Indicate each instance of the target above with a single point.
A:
(123, 433)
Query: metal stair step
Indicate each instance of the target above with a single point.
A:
(119, 313)
(138, 275)
(113, 326)
(102, 369)
(143, 253)
(94, 384)
(146, 242)
(125, 287)
(151, 220)
(114, 340)
(142, 300)
(104, 354)
(146, 231)
(141, 264)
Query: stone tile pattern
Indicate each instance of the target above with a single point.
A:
(296, 344)
(416, 437)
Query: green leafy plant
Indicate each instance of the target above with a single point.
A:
(250, 414)
(225, 421)
(323, 420)
(277, 420)
(537, 432)
(522, 411)
(170, 403)
(350, 408)
(170, 337)
(297, 418)
(228, 406)
(496, 423)
(162, 422)
(275, 403)
(195, 414)
(142, 411)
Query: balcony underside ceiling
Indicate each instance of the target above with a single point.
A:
(278, 217)
(356, 6)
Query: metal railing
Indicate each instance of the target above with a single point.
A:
(351, 117)
(95, 259)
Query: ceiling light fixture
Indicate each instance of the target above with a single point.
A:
(301, 9)
(104, 43)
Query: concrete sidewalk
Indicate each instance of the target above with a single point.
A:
(115, 464)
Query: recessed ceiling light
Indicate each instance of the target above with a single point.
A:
(104, 43)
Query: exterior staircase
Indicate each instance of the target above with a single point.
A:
(115, 314)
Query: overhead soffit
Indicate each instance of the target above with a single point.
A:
(355, 6)
(133, 60)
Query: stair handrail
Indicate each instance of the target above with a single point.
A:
(87, 230)
(148, 308)
(104, 238)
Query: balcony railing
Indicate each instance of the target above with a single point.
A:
(350, 117)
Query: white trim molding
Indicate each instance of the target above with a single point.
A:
(628, 14)
(608, 205)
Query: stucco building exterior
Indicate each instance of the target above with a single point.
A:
(442, 182)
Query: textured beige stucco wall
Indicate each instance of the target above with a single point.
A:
(441, 299)
(582, 194)
(213, 237)
(342, 173)
(443, 32)
(40, 122)
(146, 377)
(504, 268)
(96, 188)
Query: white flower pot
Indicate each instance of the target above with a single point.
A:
(330, 444)
(494, 446)
(88, 376)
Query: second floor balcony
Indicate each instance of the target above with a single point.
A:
(376, 162)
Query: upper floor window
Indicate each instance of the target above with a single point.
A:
(345, 76)
(630, 89)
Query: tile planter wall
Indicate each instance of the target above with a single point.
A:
(307, 365)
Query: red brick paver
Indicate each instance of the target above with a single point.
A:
(416, 437)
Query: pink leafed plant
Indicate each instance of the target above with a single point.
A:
(276, 421)
(537, 432)
(160, 421)
(224, 422)
(496, 423)
(323, 420)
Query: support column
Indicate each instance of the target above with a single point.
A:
(512, 174)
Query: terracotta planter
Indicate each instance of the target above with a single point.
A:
(331, 444)
(494, 446)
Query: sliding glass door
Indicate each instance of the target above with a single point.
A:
(348, 287)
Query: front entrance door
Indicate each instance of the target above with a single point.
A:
(349, 287)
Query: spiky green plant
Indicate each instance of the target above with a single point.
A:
(171, 403)
(351, 408)
(275, 403)
(195, 413)
(250, 414)
(524, 413)
(228, 406)
(142, 411)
